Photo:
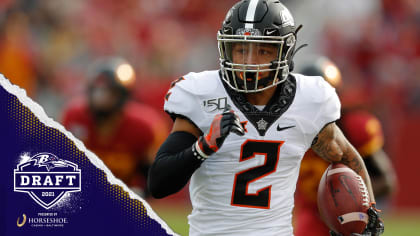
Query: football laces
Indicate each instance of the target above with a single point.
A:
(363, 190)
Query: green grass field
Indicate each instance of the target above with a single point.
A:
(175, 215)
(402, 225)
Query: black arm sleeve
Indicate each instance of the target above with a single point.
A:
(173, 166)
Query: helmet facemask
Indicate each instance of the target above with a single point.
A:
(251, 62)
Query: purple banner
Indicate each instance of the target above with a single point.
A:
(51, 185)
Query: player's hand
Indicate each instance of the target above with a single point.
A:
(374, 227)
(220, 128)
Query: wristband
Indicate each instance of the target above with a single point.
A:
(198, 153)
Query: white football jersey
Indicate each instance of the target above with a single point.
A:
(247, 187)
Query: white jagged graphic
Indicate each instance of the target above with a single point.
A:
(39, 112)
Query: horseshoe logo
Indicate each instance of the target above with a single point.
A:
(23, 221)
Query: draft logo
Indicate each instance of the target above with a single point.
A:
(47, 178)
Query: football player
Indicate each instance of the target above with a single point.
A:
(240, 133)
(364, 131)
(123, 133)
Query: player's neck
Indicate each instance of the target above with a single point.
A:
(260, 98)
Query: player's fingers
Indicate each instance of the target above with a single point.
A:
(232, 126)
(227, 126)
(231, 122)
(238, 130)
(228, 115)
(234, 129)
(380, 228)
(239, 126)
(228, 119)
(237, 121)
(227, 109)
(226, 130)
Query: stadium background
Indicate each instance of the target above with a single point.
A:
(46, 45)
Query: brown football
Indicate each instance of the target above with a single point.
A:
(343, 200)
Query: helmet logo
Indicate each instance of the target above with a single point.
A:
(248, 32)
(270, 32)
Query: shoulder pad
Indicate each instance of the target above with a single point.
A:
(320, 97)
(184, 95)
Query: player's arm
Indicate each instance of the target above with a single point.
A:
(185, 149)
(174, 162)
(333, 146)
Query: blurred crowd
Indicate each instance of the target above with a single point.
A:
(47, 46)
(376, 45)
